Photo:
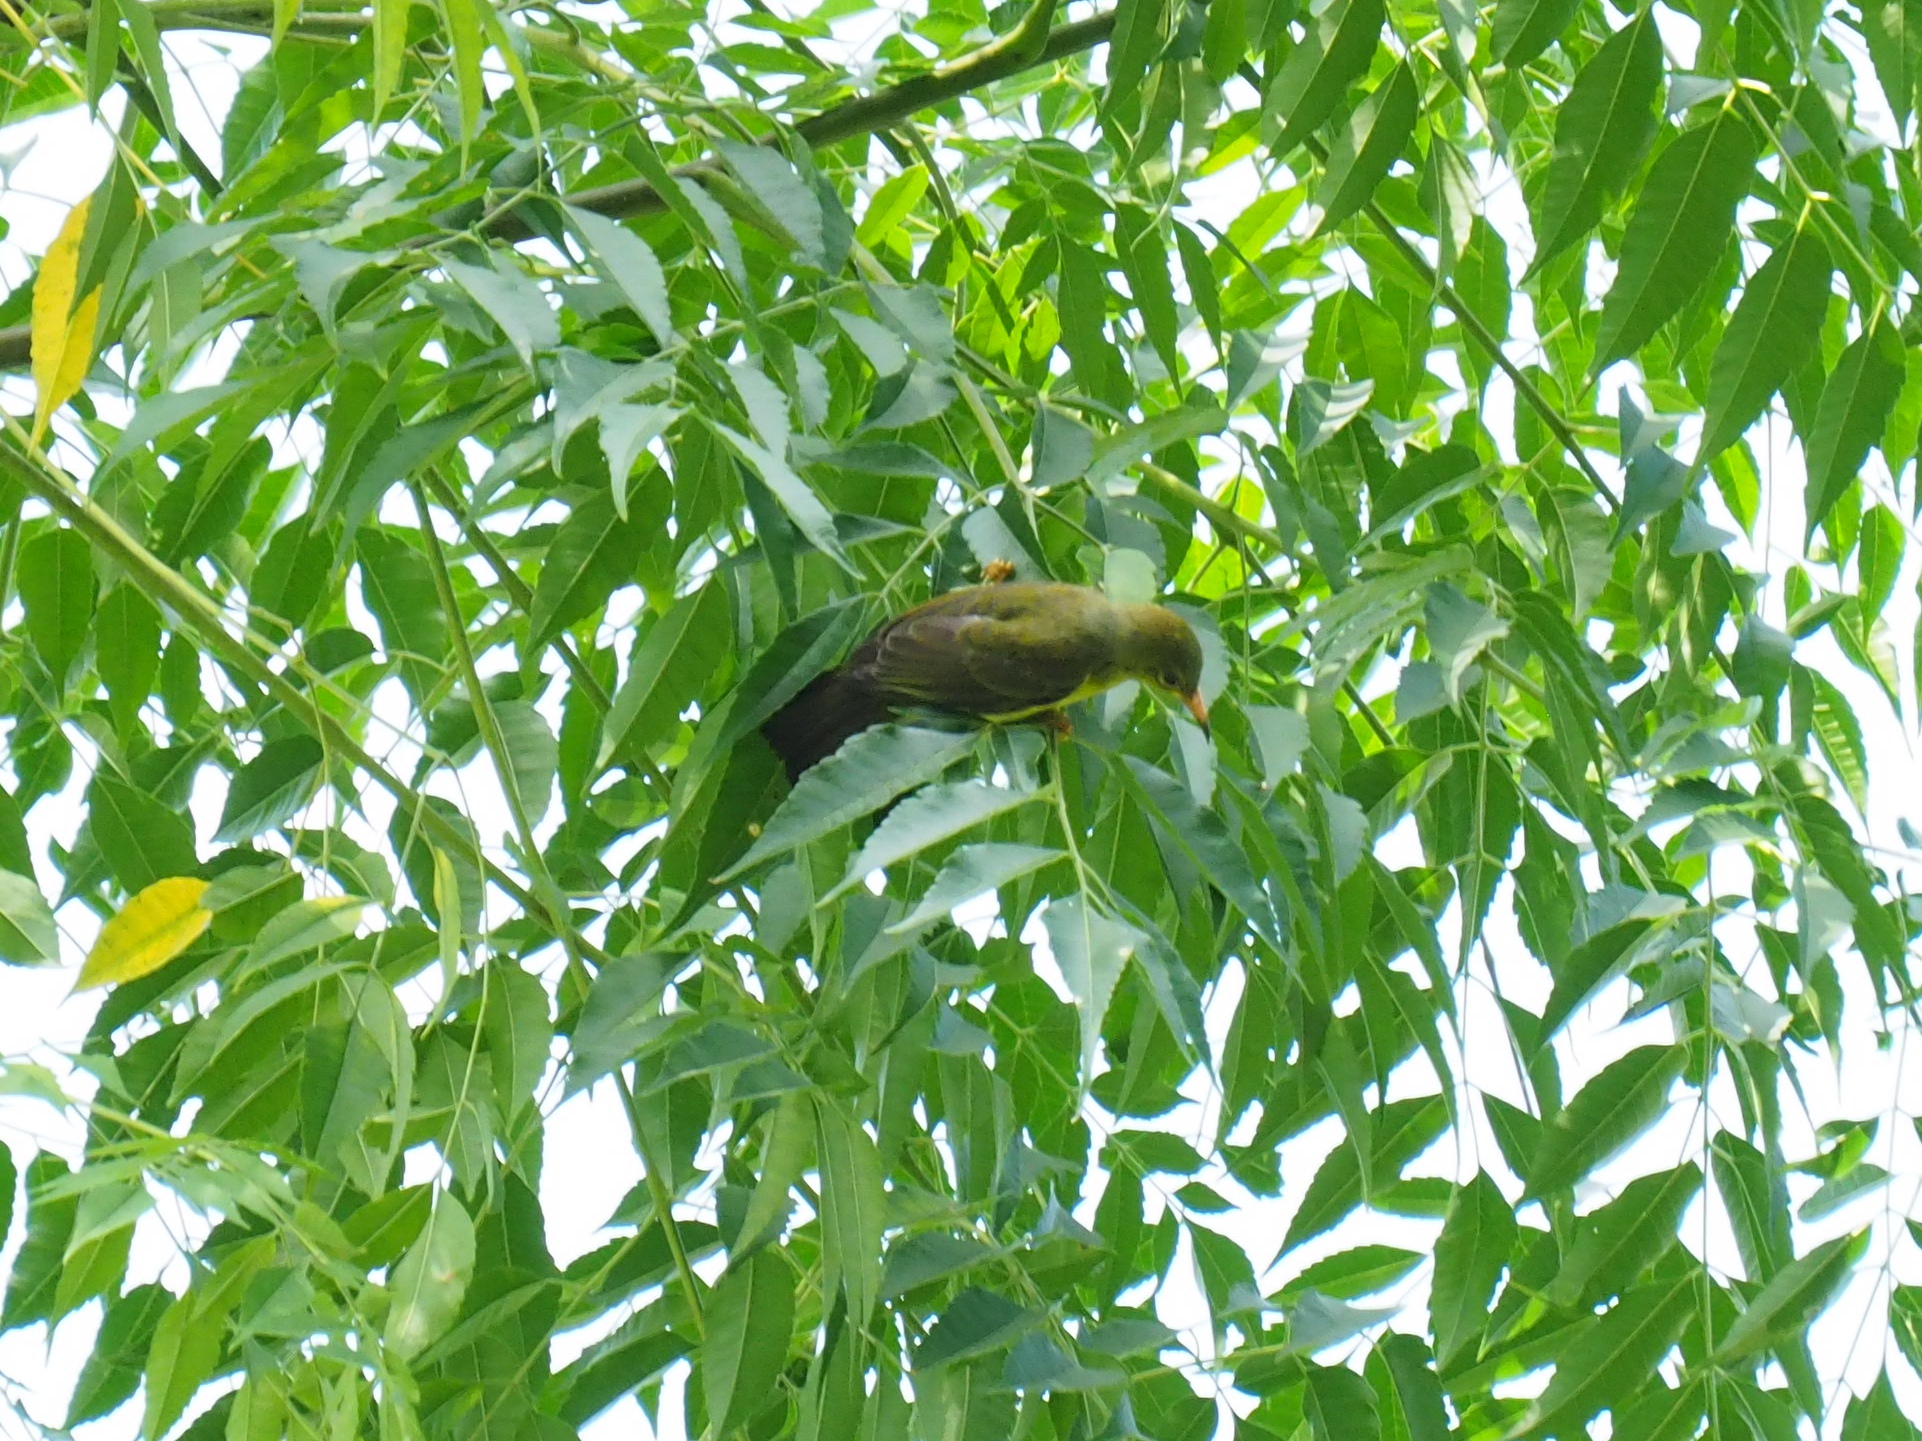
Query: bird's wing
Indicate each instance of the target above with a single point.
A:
(985, 665)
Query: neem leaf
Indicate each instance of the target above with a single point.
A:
(928, 817)
(1855, 403)
(866, 773)
(625, 260)
(1368, 144)
(146, 933)
(1773, 332)
(270, 788)
(972, 871)
(1092, 950)
(1311, 82)
(750, 1318)
(1682, 221)
(1621, 1102)
(1602, 130)
(28, 936)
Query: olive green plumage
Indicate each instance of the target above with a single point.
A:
(994, 652)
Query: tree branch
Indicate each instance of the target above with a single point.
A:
(862, 115)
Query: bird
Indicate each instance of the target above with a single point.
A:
(1000, 652)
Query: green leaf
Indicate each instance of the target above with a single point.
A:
(28, 936)
(119, 1359)
(1525, 28)
(1371, 141)
(56, 583)
(1792, 1298)
(1602, 131)
(1092, 950)
(513, 302)
(399, 589)
(1855, 403)
(303, 926)
(851, 1209)
(1839, 733)
(974, 1321)
(1612, 1354)
(618, 1016)
(1617, 1242)
(142, 839)
(678, 654)
(931, 815)
(972, 871)
(1772, 334)
(1340, 1406)
(624, 260)
(429, 1283)
(1316, 74)
(750, 1321)
(795, 495)
(587, 560)
(126, 652)
(1359, 1271)
(1682, 223)
(1476, 1239)
(785, 196)
(532, 756)
(1459, 630)
(271, 788)
(864, 775)
(1622, 1101)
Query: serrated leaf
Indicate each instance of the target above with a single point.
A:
(865, 774)
(750, 1319)
(1624, 1342)
(28, 936)
(429, 1283)
(303, 926)
(1683, 219)
(795, 495)
(270, 788)
(1371, 141)
(1617, 1241)
(1855, 404)
(1092, 950)
(146, 933)
(931, 815)
(972, 871)
(1602, 130)
(1792, 1297)
(625, 260)
(1623, 1100)
(63, 325)
(1476, 1239)
(975, 1321)
(1315, 76)
(852, 1196)
(1773, 332)
(55, 576)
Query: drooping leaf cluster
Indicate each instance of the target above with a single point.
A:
(451, 473)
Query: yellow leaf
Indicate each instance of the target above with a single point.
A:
(151, 929)
(62, 331)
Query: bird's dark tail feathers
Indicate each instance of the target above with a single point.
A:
(829, 709)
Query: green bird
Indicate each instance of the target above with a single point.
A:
(994, 652)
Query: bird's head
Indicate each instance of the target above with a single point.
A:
(1159, 647)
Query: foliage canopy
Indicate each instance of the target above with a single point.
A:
(429, 493)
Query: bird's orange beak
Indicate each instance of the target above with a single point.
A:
(1198, 708)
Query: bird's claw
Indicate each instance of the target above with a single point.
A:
(997, 571)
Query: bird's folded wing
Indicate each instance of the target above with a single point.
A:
(983, 665)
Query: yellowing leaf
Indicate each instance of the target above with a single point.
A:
(151, 929)
(62, 331)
